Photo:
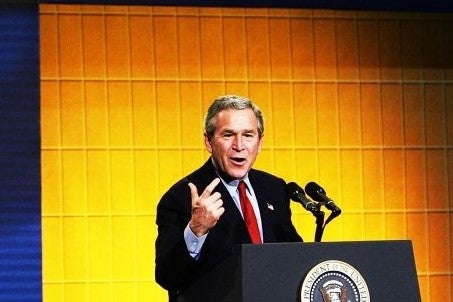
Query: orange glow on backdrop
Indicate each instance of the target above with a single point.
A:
(361, 102)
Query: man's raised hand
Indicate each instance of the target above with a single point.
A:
(206, 208)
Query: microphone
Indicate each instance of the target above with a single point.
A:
(296, 193)
(316, 192)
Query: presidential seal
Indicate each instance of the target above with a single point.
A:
(334, 281)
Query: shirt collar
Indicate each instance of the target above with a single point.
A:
(231, 183)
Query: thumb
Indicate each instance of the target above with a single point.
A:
(193, 191)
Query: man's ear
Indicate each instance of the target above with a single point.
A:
(260, 143)
(207, 143)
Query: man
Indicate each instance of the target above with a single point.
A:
(200, 218)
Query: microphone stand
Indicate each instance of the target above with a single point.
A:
(319, 224)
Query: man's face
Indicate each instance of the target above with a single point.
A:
(236, 142)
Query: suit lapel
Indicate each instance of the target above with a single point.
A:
(231, 223)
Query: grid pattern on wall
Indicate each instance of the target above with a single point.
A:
(361, 102)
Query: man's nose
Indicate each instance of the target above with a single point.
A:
(237, 144)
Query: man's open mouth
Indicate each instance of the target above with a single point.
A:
(238, 160)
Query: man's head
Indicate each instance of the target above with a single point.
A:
(234, 128)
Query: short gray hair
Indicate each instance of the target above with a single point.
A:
(230, 102)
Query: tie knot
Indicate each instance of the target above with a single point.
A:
(242, 186)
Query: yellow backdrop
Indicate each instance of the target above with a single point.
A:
(361, 102)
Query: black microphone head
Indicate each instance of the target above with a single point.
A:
(296, 193)
(315, 191)
(293, 189)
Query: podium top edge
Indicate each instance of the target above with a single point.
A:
(393, 241)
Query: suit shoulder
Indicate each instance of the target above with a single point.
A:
(265, 176)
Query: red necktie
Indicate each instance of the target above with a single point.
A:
(249, 214)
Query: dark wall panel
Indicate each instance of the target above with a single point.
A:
(20, 219)
(380, 5)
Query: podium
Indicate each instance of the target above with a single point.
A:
(289, 272)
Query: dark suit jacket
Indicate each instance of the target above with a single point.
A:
(175, 268)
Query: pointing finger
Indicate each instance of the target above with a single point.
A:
(208, 191)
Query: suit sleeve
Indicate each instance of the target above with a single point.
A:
(174, 265)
